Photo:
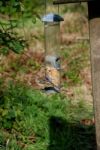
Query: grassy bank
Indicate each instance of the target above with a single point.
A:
(31, 120)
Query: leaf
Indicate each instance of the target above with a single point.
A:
(0, 3)
(4, 50)
(34, 20)
(16, 47)
(11, 114)
(1, 110)
(5, 112)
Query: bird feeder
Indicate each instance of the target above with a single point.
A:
(52, 47)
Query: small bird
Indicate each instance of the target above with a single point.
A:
(53, 76)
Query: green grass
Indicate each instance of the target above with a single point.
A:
(76, 57)
(31, 120)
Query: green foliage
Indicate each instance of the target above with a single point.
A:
(32, 120)
(13, 12)
(10, 42)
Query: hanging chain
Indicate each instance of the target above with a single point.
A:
(58, 9)
(45, 7)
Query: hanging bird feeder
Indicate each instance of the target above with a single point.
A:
(52, 47)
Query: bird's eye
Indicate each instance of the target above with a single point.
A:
(58, 59)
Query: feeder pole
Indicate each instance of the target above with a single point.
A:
(94, 25)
